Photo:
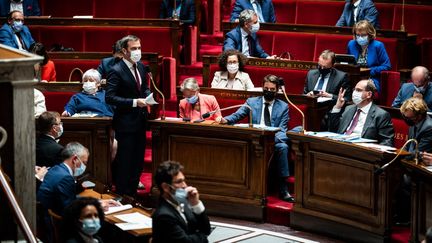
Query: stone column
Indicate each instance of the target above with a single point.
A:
(18, 155)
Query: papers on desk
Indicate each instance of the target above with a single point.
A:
(380, 147)
(352, 138)
(134, 221)
(258, 126)
(323, 99)
(178, 119)
(118, 209)
(84, 115)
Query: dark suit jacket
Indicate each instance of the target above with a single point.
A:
(58, 189)
(106, 65)
(120, 91)
(30, 8)
(47, 151)
(279, 115)
(423, 135)
(407, 91)
(187, 11)
(169, 226)
(266, 8)
(7, 37)
(337, 80)
(378, 124)
(367, 11)
(233, 41)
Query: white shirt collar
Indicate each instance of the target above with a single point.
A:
(365, 109)
(69, 168)
(129, 64)
(243, 32)
(357, 3)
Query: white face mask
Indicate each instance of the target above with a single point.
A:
(135, 55)
(255, 27)
(89, 87)
(357, 97)
(233, 68)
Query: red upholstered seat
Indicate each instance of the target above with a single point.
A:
(266, 41)
(295, 116)
(121, 9)
(390, 84)
(57, 8)
(318, 12)
(64, 67)
(67, 36)
(386, 15)
(56, 101)
(401, 132)
(336, 43)
(102, 38)
(417, 19)
(299, 45)
(285, 10)
(426, 53)
(391, 48)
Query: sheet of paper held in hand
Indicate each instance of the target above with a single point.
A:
(134, 221)
(149, 100)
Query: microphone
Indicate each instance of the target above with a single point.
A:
(402, 27)
(208, 114)
(381, 169)
(174, 14)
(149, 73)
(282, 86)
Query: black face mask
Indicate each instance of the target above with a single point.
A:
(323, 71)
(269, 95)
(409, 122)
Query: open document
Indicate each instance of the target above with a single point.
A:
(259, 126)
(352, 138)
(134, 221)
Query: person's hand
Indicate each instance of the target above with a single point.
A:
(236, 20)
(340, 101)
(107, 203)
(222, 121)
(193, 195)
(141, 103)
(271, 57)
(324, 94)
(65, 113)
(40, 172)
(427, 158)
(417, 95)
(310, 93)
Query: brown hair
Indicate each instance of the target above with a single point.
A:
(416, 105)
(272, 79)
(46, 120)
(223, 59)
(366, 26)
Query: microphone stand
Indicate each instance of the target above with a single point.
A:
(174, 14)
(208, 114)
(402, 27)
(381, 169)
(282, 86)
(162, 95)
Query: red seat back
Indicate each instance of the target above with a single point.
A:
(401, 132)
(299, 45)
(319, 12)
(336, 43)
(416, 19)
(386, 15)
(56, 101)
(121, 9)
(390, 84)
(285, 11)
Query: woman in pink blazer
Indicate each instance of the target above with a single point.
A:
(194, 104)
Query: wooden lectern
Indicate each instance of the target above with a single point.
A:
(337, 192)
(227, 164)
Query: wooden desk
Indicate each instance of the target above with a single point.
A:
(227, 164)
(421, 197)
(337, 192)
(95, 134)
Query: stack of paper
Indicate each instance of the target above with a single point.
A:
(118, 209)
(134, 221)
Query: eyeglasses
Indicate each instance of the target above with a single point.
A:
(233, 62)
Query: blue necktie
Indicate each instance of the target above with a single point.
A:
(320, 83)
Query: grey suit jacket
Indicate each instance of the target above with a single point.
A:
(423, 135)
(378, 124)
(336, 80)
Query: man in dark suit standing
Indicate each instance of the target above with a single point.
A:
(47, 149)
(363, 117)
(180, 215)
(326, 81)
(263, 8)
(244, 38)
(126, 90)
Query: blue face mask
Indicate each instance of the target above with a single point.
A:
(80, 170)
(192, 100)
(180, 194)
(91, 226)
(362, 40)
(17, 26)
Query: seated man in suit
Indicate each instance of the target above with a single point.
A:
(326, 81)
(28, 7)
(363, 117)
(356, 10)
(420, 87)
(14, 33)
(272, 112)
(263, 8)
(180, 215)
(414, 111)
(243, 38)
(58, 188)
(48, 150)
(107, 63)
(184, 11)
